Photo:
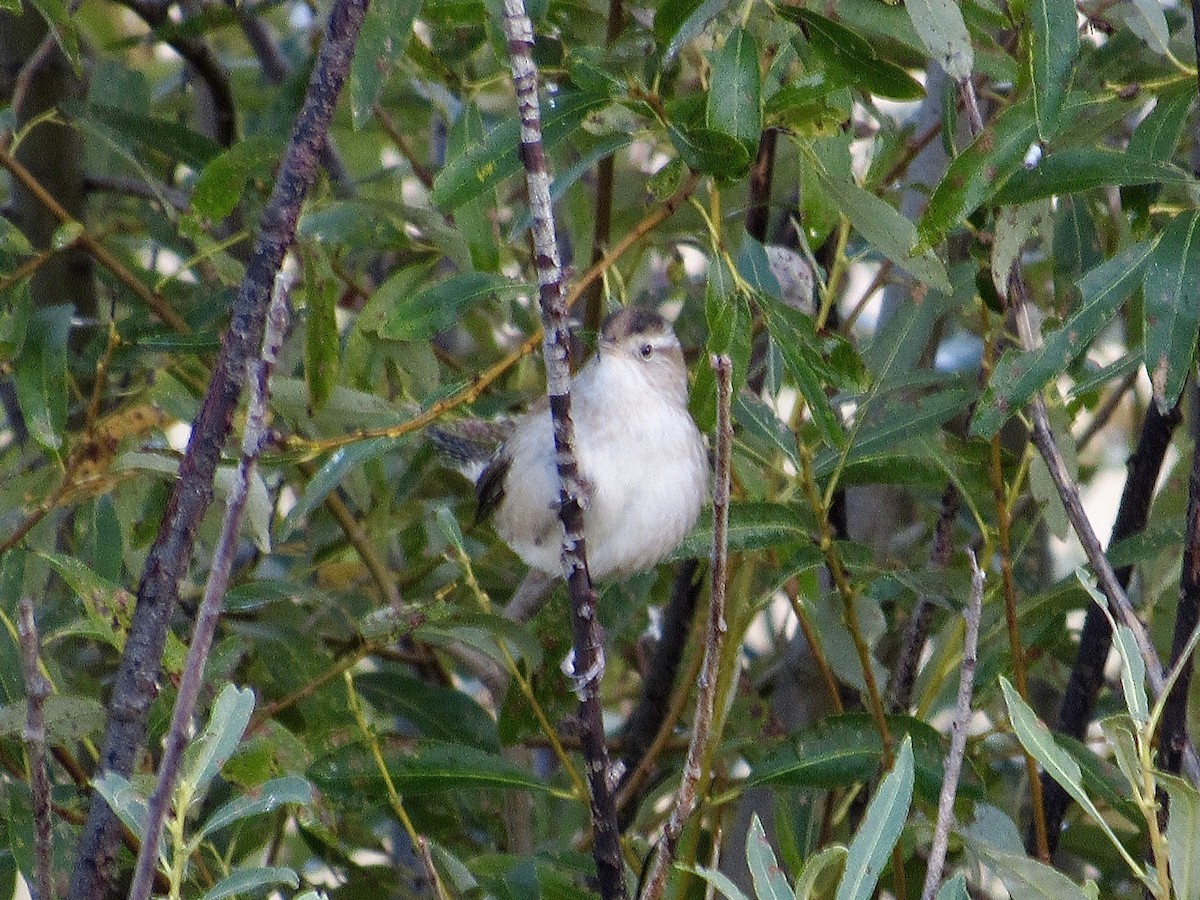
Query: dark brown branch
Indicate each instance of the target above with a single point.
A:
(136, 683)
(758, 205)
(1095, 641)
(589, 652)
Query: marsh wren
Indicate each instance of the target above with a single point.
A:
(642, 462)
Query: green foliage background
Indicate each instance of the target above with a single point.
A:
(362, 574)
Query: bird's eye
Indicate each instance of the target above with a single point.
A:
(647, 350)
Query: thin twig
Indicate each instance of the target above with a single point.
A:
(958, 735)
(1043, 439)
(253, 438)
(37, 689)
(589, 652)
(136, 683)
(156, 302)
(693, 766)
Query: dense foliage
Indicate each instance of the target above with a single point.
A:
(908, 226)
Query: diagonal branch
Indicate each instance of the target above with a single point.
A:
(136, 683)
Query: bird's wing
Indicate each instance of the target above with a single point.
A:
(489, 489)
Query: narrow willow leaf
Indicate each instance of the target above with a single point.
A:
(1183, 835)
(266, 797)
(768, 878)
(417, 317)
(973, 175)
(1157, 135)
(887, 229)
(1071, 171)
(1016, 226)
(248, 881)
(1038, 742)
(710, 151)
(718, 880)
(486, 164)
(332, 472)
(381, 44)
(1172, 308)
(1133, 667)
(436, 767)
(880, 829)
(752, 526)
(811, 882)
(1053, 50)
(735, 89)
(940, 25)
(1119, 732)
(322, 344)
(40, 375)
(1019, 375)
(222, 182)
(433, 711)
(1028, 879)
(124, 800)
(1147, 20)
(793, 334)
(227, 722)
(678, 21)
(850, 59)
(954, 889)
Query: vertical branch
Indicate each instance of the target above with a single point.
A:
(958, 736)
(589, 653)
(136, 683)
(258, 373)
(693, 769)
(1087, 672)
(37, 689)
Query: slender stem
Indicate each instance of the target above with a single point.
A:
(209, 613)
(156, 302)
(37, 689)
(1016, 649)
(815, 647)
(588, 651)
(420, 845)
(958, 736)
(693, 766)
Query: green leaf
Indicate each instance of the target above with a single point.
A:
(1147, 20)
(1038, 742)
(850, 59)
(880, 829)
(332, 472)
(267, 797)
(889, 231)
(486, 164)
(954, 889)
(361, 223)
(678, 21)
(710, 152)
(69, 719)
(1133, 667)
(940, 25)
(435, 767)
(818, 868)
(58, 16)
(1054, 47)
(1016, 226)
(222, 182)
(435, 712)
(160, 135)
(793, 333)
(1183, 835)
(124, 800)
(1019, 375)
(974, 173)
(1026, 878)
(246, 881)
(417, 317)
(40, 374)
(385, 32)
(718, 880)
(212, 748)
(752, 526)
(1157, 135)
(12, 239)
(322, 343)
(768, 878)
(1082, 169)
(1172, 308)
(735, 90)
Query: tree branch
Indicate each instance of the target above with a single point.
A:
(37, 689)
(136, 683)
(589, 652)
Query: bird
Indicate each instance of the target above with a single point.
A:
(643, 464)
